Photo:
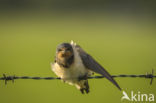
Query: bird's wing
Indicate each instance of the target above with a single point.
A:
(94, 66)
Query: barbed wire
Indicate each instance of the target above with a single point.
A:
(12, 78)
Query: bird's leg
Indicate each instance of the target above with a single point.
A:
(84, 86)
(82, 90)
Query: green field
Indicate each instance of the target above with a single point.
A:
(122, 46)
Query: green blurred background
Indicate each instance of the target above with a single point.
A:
(119, 36)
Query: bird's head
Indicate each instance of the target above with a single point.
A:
(64, 50)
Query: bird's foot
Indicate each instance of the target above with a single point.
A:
(83, 90)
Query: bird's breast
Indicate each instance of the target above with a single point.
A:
(76, 70)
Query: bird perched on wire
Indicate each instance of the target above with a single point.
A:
(72, 63)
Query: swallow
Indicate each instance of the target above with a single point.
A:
(72, 63)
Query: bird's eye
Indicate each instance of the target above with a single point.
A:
(60, 50)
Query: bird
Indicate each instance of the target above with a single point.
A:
(74, 65)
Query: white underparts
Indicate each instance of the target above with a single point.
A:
(71, 75)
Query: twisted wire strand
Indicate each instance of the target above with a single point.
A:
(8, 78)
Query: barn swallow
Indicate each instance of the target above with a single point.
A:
(72, 63)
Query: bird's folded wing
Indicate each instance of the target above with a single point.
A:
(91, 64)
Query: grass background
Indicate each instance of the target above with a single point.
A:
(123, 45)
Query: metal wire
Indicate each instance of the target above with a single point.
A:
(12, 78)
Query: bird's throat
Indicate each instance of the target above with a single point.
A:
(65, 62)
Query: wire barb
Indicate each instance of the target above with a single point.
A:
(7, 78)
(151, 76)
(147, 75)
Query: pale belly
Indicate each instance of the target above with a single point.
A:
(70, 75)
